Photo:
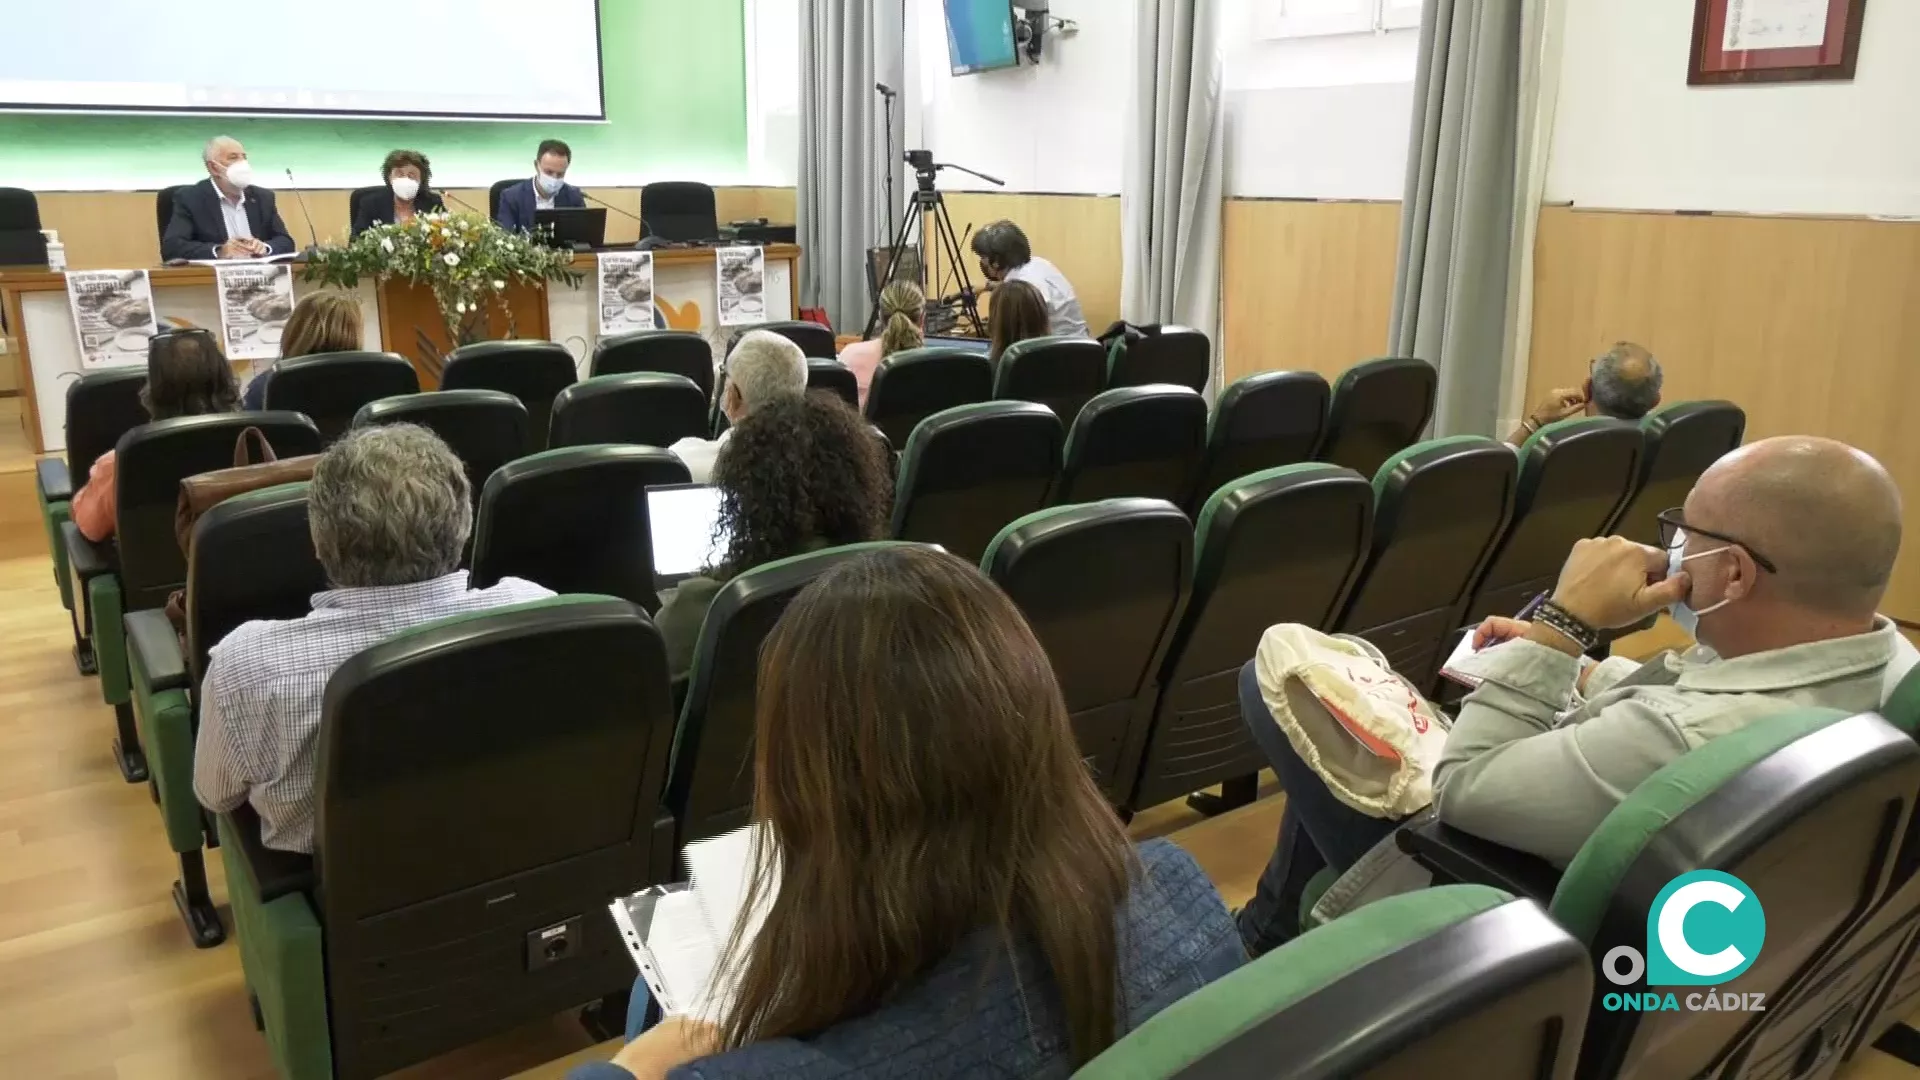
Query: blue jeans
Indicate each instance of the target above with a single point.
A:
(641, 1014)
(1316, 831)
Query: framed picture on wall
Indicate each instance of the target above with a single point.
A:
(1757, 41)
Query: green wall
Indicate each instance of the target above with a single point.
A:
(675, 83)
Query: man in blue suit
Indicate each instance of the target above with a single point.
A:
(548, 190)
(224, 216)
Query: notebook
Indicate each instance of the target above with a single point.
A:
(678, 933)
(683, 528)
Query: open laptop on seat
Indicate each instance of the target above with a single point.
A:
(683, 529)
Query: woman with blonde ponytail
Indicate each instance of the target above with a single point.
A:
(903, 310)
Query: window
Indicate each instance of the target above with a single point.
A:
(1321, 18)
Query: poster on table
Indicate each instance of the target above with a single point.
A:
(626, 291)
(112, 316)
(742, 285)
(255, 301)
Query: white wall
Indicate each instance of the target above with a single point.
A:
(1631, 134)
(772, 29)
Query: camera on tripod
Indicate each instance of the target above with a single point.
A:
(921, 160)
(927, 231)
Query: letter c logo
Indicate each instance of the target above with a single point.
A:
(1673, 931)
(1705, 928)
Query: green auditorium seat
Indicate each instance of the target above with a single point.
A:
(1806, 807)
(1682, 440)
(485, 784)
(913, 384)
(136, 569)
(574, 519)
(1103, 586)
(1457, 981)
(825, 374)
(1062, 373)
(484, 428)
(1441, 507)
(1262, 421)
(1283, 545)
(968, 471)
(814, 339)
(532, 371)
(1139, 441)
(331, 388)
(101, 407)
(252, 559)
(1177, 355)
(1379, 408)
(643, 408)
(671, 352)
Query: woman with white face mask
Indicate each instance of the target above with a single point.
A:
(406, 173)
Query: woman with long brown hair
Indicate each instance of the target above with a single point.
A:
(950, 895)
(1018, 312)
(321, 322)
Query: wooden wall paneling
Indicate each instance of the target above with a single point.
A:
(1308, 286)
(1078, 233)
(1810, 324)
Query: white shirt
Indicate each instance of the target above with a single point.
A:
(1063, 308)
(699, 455)
(234, 212)
(542, 202)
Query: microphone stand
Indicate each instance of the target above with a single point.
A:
(313, 234)
(646, 230)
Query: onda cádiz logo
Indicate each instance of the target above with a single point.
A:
(1704, 929)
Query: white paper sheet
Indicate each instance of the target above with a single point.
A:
(1775, 24)
(113, 316)
(741, 285)
(626, 291)
(255, 300)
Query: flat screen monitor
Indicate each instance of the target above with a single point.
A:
(683, 526)
(574, 225)
(980, 35)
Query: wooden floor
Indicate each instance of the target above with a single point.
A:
(97, 977)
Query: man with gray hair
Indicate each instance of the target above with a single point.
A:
(390, 511)
(1623, 382)
(224, 216)
(762, 367)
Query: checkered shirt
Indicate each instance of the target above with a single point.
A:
(260, 700)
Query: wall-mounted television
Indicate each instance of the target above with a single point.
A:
(980, 35)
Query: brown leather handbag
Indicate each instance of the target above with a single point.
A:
(250, 472)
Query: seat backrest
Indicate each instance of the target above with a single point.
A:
(533, 371)
(814, 340)
(835, 378)
(680, 210)
(150, 462)
(331, 388)
(1683, 439)
(358, 196)
(675, 352)
(481, 779)
(20, 241)
(645, 408)
(968, 471)
(1575, 476)
(913, 384)
(1440, 507)
(1805, 807)
(1453, 981)
(253, 558)
(573, 519)
(1062, 373)
(485, 428)
(493, 194)
(19, 209)
(101, 407)
(1177, 355)
(1102, 585)
(1378, 409)
(710, 789)
(1262, 421)
(1140, 441)
(1281, 545)
(163, 205)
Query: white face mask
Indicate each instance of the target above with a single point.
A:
(240, 174)
(404, 188)
(548, 185)
(1688, 618)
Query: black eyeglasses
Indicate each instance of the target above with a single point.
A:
(1672, 523)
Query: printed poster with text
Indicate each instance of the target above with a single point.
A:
(113, 316)
(742, 285)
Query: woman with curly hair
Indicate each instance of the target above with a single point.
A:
(406, 174)
(798, 474)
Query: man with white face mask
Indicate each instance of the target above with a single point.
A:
(1776, 563)
(547, 190)
(224, 216)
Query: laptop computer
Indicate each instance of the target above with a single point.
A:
(575, 225)
(683, 529)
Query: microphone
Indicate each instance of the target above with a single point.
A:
(886, 90)
(646, 229)
(313, 235)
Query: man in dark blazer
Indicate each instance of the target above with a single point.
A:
(548, 190)
(225, 216)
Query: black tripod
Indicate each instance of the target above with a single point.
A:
(926, 203)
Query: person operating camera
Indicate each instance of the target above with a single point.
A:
(1005, 255)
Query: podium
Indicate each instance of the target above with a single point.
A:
(411, 324)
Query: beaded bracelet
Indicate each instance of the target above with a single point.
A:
(1562, 622)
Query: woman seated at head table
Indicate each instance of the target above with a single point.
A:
(321, 322)
(406, 174)
(903, 317)
(187, 375)
(1018, 312)
(798, 474)
(950, 894)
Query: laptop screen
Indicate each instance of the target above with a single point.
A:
(682, 519)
